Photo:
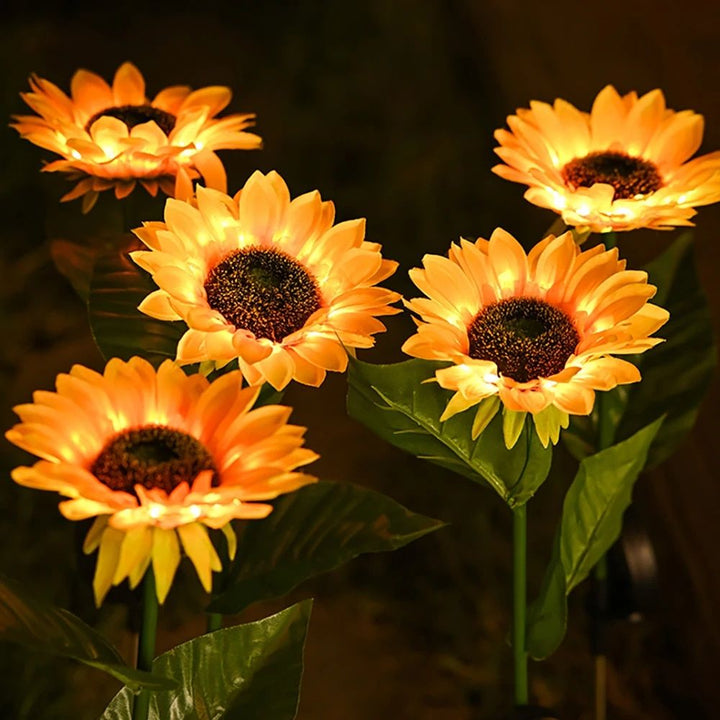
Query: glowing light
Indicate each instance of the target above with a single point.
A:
(507, 279)
(583, 210)
(559, 201)
(75, 154)
(195, 511)
(155, 511)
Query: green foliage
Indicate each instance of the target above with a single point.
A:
(40, 626)
(591, 522)
(311, 531)
(247, 672)
(395, 402)
(117, 287)
(75, 259)
(675, 374)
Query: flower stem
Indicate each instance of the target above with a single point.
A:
(146, 645)
(606, 437)
(519, 604)
(214, 622)
(609, 239)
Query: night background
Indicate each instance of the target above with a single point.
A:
(388, 109)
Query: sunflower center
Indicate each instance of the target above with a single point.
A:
(153, 456)
(133, 115)
(525, 337)
(264, 291)
(630, 176)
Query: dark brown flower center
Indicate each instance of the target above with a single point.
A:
(525, 337)
(153, 456)
(630, 176)
(264, 291)
(133, 115)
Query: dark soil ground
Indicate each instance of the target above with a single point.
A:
(388, 109)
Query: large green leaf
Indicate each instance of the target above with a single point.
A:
(246, 672)
(591, 522)
(38, 625)
(675, 375)
(75, 258)
(119, 328)
(312, 531)
(396, 403)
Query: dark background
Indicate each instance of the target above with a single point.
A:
(388, 109)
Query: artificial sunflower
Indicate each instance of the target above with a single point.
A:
(535, 332)
(269, 281)
(624, 165)
(157, 457)
(114, 136)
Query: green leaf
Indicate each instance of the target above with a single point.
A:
(675, 374)
(394, 402)
(311, 531)
(117, 287)
(591, 522)
(38, 625)
(75, 259)
(246, 672)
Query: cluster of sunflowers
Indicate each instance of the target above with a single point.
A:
(510, 349)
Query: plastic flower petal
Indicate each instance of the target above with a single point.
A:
(114, 136)
(267, 280)
(157, 458)
(537, 331)
(624, 165)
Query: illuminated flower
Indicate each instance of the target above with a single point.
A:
(157, 457)
(535, 332)
(622, 166)
(269, 281)
(113, 137)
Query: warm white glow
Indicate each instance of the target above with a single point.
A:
(506, 279)
(155, 511)
(559, 201)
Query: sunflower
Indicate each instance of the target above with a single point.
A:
(625, 165)
(533, 333)
(269, 281)
(113, 137)
(157, 457)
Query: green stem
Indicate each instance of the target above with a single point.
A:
(520, 658)
(214, 622)
(609, 239)
(606, 427)
(606, 437)
(146, 644)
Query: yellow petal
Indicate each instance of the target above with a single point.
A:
(201, 552)
(129, 86)
(136, 548)
(165, 560)
(94, 536)
(90, 92)
(108, 557)
(231, 538)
